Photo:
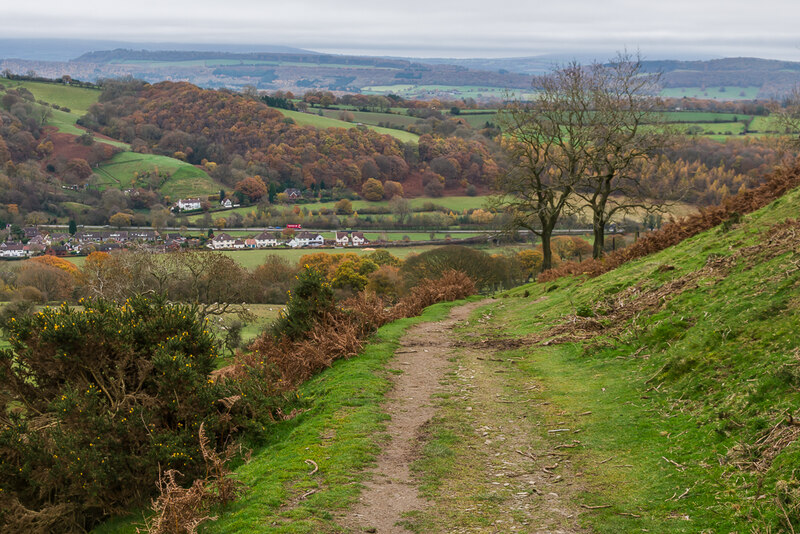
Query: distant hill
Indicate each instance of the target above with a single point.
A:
(270, 68)
(66, 49)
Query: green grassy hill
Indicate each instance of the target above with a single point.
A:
(184, 180)
(684, 367)
(310, 119)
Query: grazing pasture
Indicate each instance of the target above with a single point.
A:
(127, 168)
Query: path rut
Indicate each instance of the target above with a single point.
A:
(392, 491)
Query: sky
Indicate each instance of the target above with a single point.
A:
(432, 28)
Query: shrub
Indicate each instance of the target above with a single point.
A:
(485, 271)
(94, 401)
(311, 298)
(452, 285)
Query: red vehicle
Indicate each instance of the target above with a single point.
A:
(295, 226)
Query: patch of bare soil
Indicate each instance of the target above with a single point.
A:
(392, 491)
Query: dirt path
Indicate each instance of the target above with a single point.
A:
(423, 360)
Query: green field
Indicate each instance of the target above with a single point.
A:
(453, 91)
(185, 180)
(372, 118)
(457, 204)
(713, 128)
(713, 93)
(77, 99)
(309, 119)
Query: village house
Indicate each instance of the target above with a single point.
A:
(238, 244)
(221, 241)
(341, 239)
(143, 235)
(358, 239)
(266, 239)
(188, 204)
(226, 203)
(293, 194)
(14, 250)
(250, 243)
(306, 239)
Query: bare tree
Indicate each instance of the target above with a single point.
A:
(628, 128)
(582, 141)
(545, 141)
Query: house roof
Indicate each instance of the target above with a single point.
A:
(265, 235)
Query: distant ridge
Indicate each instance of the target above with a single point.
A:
(66, 49)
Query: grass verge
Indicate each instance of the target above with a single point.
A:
(339, 426)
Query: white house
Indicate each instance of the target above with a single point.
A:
(266, 239)
(188, 204)
(221, 241)
(306, 239)
(226, 203)
(238, 244)
(358, 239)
(342, 239)
(14, 250)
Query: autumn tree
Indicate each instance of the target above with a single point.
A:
(120, 219)
(343, 207)
(372, 190)
(253, 187)
(392, 189)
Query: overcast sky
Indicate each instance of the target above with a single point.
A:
(430, 28)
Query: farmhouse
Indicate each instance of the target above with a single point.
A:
(226, 203)
(188, 204)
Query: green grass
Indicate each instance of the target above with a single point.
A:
(457, 204)
(77, 99)
(340, 428)
(710, 367)
(185, 181)
(713, 93)
(714, 128)
(372, 118)
(310, 119)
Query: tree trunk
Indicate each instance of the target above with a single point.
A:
(547, 253)
(598, 228)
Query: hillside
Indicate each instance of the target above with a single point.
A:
(660, 396)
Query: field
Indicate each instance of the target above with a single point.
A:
(457, 204)
(77, 99)
(452, 91)
(372, 118)
(712, 93)
(309, 119)
(185, 179)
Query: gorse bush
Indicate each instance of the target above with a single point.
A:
(311, 297)
(93, 401)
